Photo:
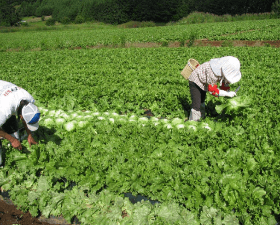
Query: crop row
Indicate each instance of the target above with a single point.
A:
(83, 38)
(228, 174)
(72, 120)
(122, 80)
(269, 32)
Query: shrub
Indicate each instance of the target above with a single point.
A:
(192, 38)
(123, 40)
(183, 39)
(5, 24)
(201, 17)
(43, 18)
(164, 42)
(50, 22)
(226, 18)
(25, 24)
(79, 19)
(147, 24)
(130, 24)
(65, 20)
(276, 7)
(137, 24)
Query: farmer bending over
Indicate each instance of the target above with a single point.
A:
(225, 70)
(16, 101)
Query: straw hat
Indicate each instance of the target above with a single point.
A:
(189, 68)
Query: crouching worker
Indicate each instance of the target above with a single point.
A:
(204, 78)
(15, 101)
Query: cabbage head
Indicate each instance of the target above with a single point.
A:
(233, 105)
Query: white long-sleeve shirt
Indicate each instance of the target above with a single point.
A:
(10, 97)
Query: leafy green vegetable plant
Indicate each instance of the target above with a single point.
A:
(223, 170)
(233, 105)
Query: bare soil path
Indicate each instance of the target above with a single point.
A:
(176, 44)
(199, 43)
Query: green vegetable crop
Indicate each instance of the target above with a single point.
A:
(95, 144)
(234, 105)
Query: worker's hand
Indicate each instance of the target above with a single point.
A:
(16, 144)
(227, 93)
(31, 140)
(231, 94)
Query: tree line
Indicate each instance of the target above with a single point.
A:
(121, 11)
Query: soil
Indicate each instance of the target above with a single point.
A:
(10, 215)
(176, 44)
(197, 43)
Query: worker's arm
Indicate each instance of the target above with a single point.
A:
(14, 142)
(30, 139)
(214, 90)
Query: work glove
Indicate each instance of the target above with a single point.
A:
(227, 94)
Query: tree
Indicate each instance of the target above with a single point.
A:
(276, 7)
(8, 14)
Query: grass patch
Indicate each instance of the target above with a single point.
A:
(164, 42)
(39, 24)
(123, 40)
(136, 24)
(201, 17)
(227, 43)
(192, 38)
(183, 39)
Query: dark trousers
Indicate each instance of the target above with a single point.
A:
(11, 125)
(197, 94)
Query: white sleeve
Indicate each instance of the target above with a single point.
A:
(24, 95)
(3, 119)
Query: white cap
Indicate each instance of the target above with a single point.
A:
(229, 66)
(31, 116)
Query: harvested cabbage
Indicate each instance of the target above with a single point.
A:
(233, 105)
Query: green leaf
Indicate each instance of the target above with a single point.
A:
(43, 184)
(231, 220)
(207, 215)
(233, 105)
(140, 213)
(251, 163)
(258, 192)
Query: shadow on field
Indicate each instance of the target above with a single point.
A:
(210, 108)
(185, 104)
(44, 134)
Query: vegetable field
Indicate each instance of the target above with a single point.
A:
(84, 38)
(96, 144)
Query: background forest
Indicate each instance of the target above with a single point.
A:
(122, 11)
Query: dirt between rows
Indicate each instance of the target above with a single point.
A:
(197, 43)
(176, 44)
(10, 215)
